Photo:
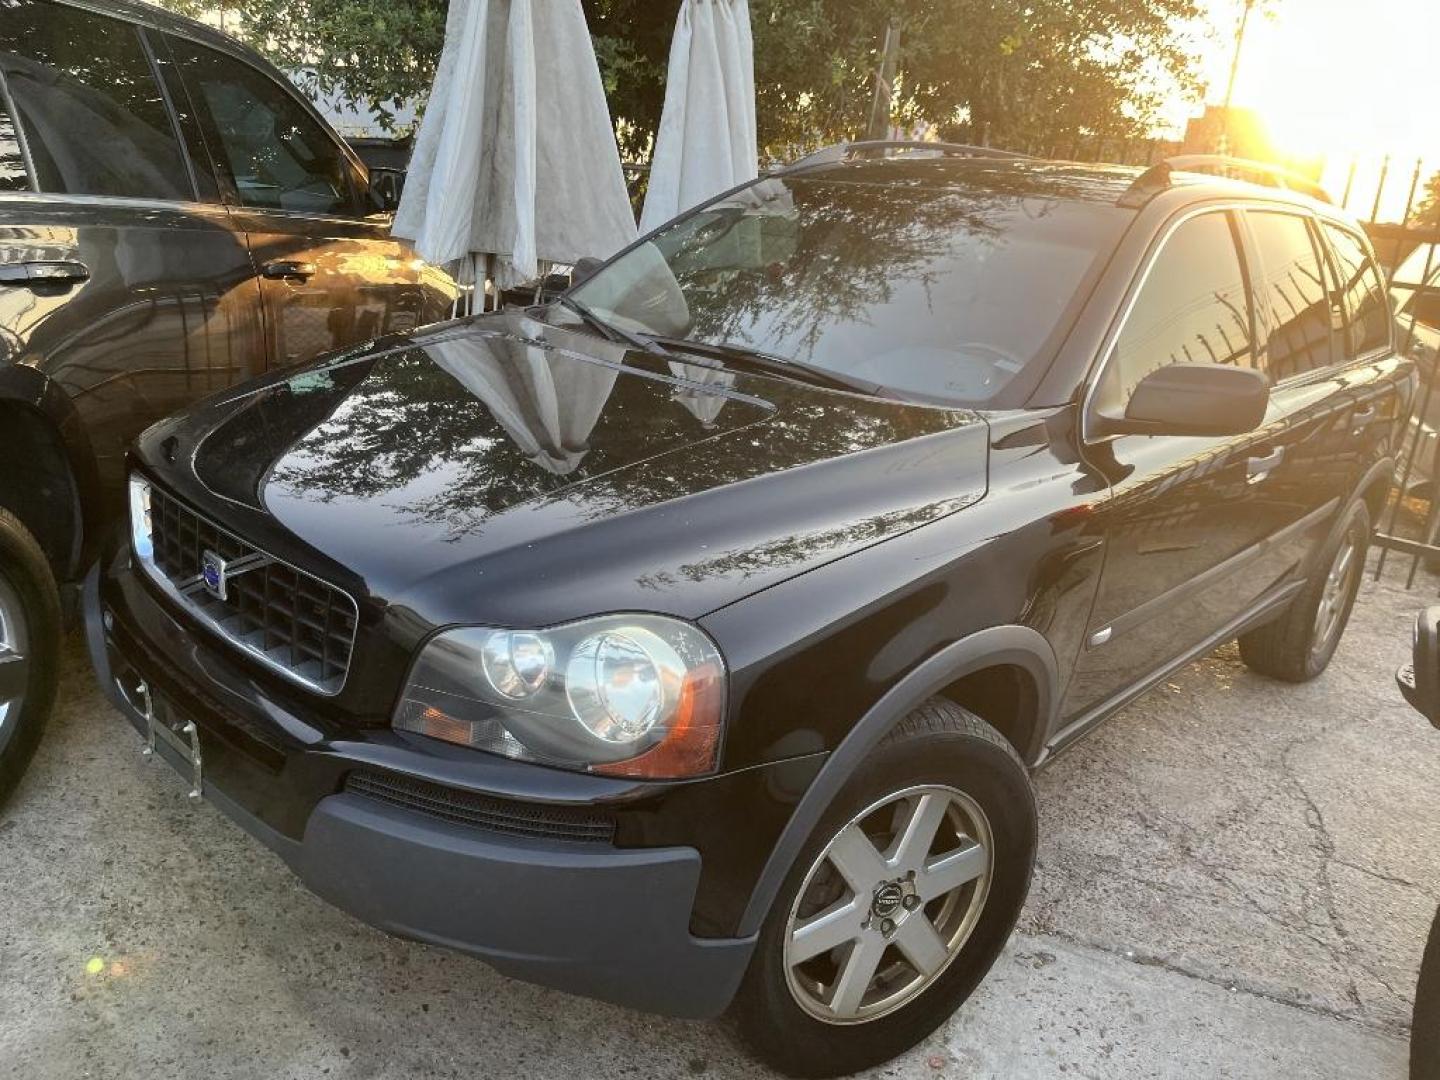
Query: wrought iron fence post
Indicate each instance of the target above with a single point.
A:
(1411, 413)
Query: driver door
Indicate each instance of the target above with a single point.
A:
(330, 275)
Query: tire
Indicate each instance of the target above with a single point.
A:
(1425, 1025)
(978, 787)
(1298, 645)
(29, 648)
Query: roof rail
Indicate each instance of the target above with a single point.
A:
(1157, 178)
(848, 151)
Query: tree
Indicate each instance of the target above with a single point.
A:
(1017, 75)
(1034, 75)
(368, 53)
(1427, 210)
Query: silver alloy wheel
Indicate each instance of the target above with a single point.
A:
(14, 654)
(888, 904)
(1334, 595)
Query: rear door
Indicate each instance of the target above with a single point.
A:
(1303, 347)
(117, 278)
(330, 274)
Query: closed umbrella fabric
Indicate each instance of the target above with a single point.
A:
(707, 141)
(515, 162)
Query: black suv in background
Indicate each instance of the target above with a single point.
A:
(689, 640)
(174, 218)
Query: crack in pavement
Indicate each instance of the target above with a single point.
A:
(1134, 956)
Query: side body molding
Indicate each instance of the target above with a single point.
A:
(1019, 646)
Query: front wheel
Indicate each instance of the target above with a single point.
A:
(29, 648)
(899, 903)
(1298, 645)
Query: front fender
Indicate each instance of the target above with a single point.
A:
(1019, 646)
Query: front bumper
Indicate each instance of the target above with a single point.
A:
(591, 918)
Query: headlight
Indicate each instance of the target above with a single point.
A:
(622, 695)
(516, 665)
(141, 531)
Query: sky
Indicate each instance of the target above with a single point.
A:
(1339, 78)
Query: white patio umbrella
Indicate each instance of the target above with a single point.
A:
(515, 162)
(707, 141)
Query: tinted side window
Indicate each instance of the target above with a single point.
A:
(93, 116)
(12, 161)
(1367, 310)
(1192, 309)
(265, 143)
(1302, 333)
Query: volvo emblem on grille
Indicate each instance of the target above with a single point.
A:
(212, 571)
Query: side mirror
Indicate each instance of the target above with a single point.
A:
(1193, 399)
(385, 188)
(1419, 680)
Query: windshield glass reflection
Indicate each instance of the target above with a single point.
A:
(939, 288)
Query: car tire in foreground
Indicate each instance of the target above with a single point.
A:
(29, 648)
(900, 901)
(1298, 645)
(1425, 1026)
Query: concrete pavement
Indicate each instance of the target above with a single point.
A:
(1235, 880)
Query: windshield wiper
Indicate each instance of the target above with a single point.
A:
(742, 358)
(613, 333)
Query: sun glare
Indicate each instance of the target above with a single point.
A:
(1337, 78)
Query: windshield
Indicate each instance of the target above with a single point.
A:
(941, 293)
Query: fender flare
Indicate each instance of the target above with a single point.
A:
(1384, 467)
(24, 386)
(1019, 646)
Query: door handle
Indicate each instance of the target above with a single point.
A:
(285, 270)
(1361, 417)
(44, 272)
(1258, 468)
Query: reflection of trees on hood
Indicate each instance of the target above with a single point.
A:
(505, 413)
(860, 235)
(412, 434)
(548, 409)
(386, 433)
(800, 547)
(805, 428)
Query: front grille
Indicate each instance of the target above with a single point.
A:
(288, 619)
(482, 811)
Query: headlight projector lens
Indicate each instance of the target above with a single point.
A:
(517, 664)
(622, 682)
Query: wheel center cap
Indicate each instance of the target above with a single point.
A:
(887, 899)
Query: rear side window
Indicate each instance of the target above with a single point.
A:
(1367, 310)
(93, 117)
(1192, 309)
(1305, 329)
(266, 144)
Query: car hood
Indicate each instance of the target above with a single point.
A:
(509, 471)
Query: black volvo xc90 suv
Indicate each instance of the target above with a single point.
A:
(689, 641)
